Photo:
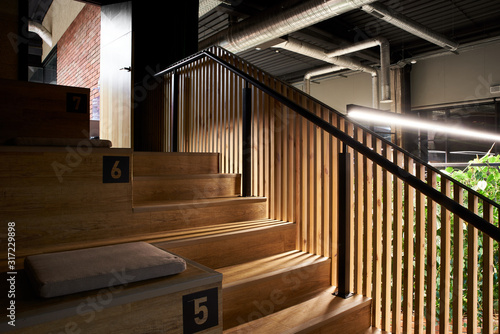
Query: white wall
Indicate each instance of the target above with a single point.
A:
(456, 78)
(58, 18)
(341, 91)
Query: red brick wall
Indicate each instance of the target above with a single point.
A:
(78, 52)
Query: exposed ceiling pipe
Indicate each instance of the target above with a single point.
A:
(271, 24)
(207, 5)
(385, 61)
(313, 51)
(385, 13)
(317, 72)
(41, 31)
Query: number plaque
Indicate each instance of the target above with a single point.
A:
(200, 310)
(115, 169)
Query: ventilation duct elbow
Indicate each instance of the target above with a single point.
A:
(272, 24)
(318, 72)
(41, 31)
(407, 24)
(385, 61)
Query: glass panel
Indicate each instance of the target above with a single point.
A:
(456, 148)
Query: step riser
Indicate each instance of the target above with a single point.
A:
(159, 163)
(158, 189)
(253, 300)
(228, 250)
(198, 215)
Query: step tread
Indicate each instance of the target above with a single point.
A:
(304, 317)
(253, 270)
(151, 206)
(220, 230)
(184, 177)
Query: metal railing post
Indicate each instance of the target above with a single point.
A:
(174, 113)
(246, 189)
(344, 222)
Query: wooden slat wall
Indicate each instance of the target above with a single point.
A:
(395, 231)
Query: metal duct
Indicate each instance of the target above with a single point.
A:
(313, 51)
(384, 13)
(271, 24)
(317, 72)
(41, 31)
(207, 5)
(385, 61)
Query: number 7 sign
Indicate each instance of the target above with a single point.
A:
(200, 310)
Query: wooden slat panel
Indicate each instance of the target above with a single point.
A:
(409, 197)
(420, 256)
(458, 264)
(488, 269)
(445, 273)
(430, 315)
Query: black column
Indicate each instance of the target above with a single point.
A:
(163, 32)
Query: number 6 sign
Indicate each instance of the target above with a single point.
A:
(115, 169)
(200, 310)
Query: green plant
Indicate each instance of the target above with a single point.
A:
(483, 177)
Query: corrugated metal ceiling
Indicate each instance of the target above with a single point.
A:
(463, 21)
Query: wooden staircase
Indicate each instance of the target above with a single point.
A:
(268, 285)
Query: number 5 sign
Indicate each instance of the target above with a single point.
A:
(115, 169)
(200, 310)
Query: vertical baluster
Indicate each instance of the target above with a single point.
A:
(326, 167)
(430, 316)
(397, 247)
(458, 263)
(387, 247)
(349, 129)
(445, 273)
(377, 239)
(318, 185)
(333, 200)
(367, 220)
(311, 237)
(358, 216)
(488, 268)
(304, 180)
(472, 267)
(409, 197)
(279, 111)
(420, 256)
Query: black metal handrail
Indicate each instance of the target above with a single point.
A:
(416, 183)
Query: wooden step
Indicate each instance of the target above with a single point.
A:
(264, 286)
(373, 330)
(323, 314)
(229, 244)
(162, 163)
(202, 212)
(185, 187)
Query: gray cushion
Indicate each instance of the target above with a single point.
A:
(57, 274)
